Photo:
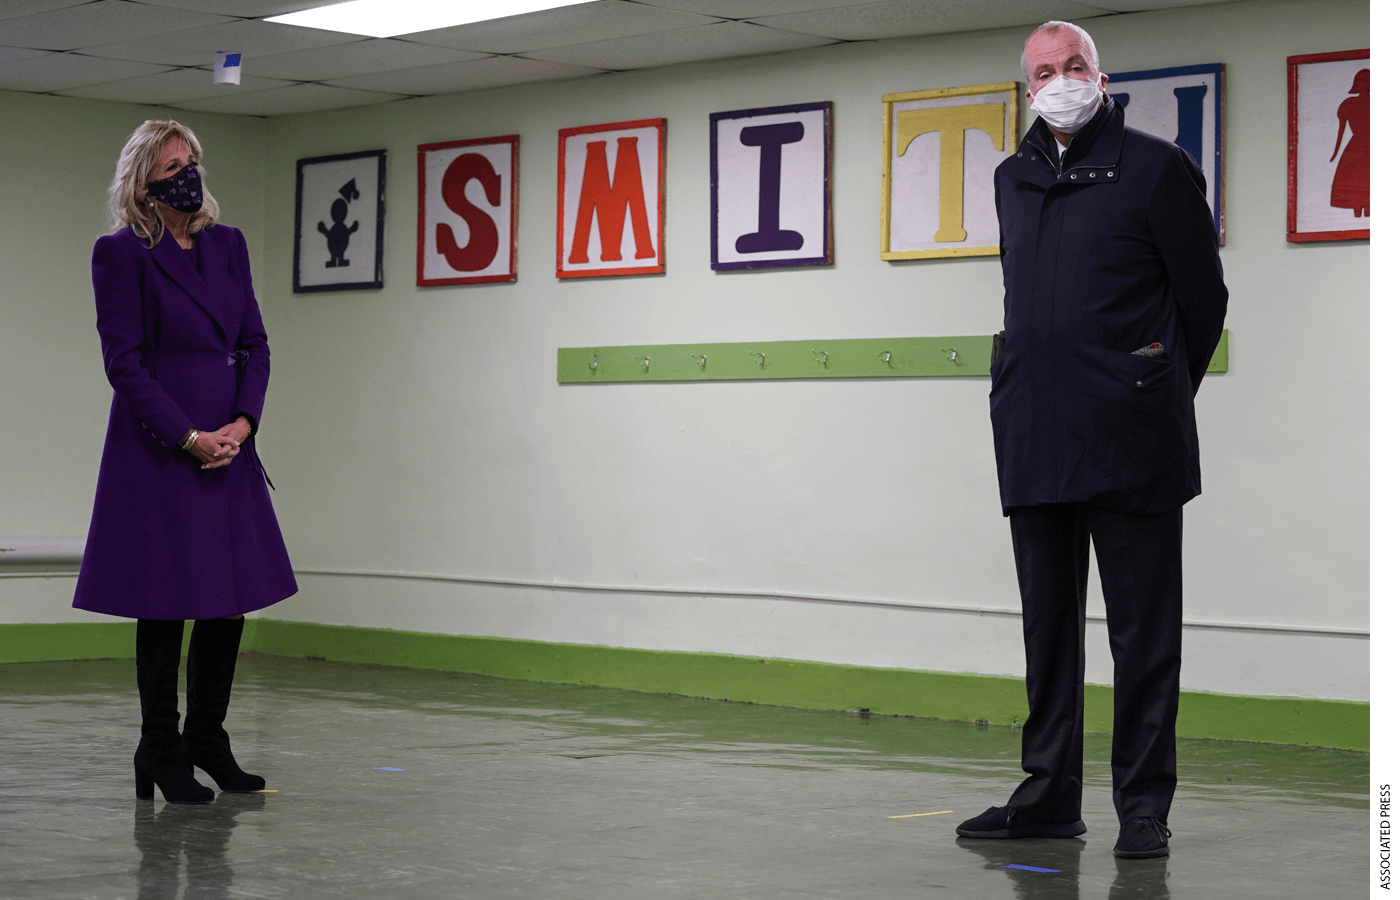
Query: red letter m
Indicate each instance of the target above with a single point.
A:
(611, 202)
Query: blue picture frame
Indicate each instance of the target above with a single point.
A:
(1185, 107)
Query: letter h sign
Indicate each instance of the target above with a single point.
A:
(612, 199)
(467, 210)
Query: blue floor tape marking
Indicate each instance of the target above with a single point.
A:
(1029, 868)
(389, 769)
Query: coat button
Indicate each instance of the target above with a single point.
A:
(1072, 177)
(1092, 174)
(1139, 384)
(1018, 156)
(1034, 158)
(1110, 174)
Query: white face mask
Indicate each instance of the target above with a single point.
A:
(1066, 104)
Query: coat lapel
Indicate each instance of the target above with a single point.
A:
(172, 261)
(214, 271)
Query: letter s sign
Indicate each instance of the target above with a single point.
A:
(467, 220)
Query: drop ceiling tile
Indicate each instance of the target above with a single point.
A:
(555, 27)
(366, 57)
(721, 41)
(10, 54)
(299, 98)
(197, 45)
(105, 20)
(10, 9)
(247, 9)
(63, 71)
(904, 18)
(1143, 5)
(493, 71)
(171, 87)
(747, 9)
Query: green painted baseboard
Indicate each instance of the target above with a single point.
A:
(100, 640)
(777, 682)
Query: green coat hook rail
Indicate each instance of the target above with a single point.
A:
(905, 357)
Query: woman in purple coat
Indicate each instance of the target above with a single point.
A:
(182, 525)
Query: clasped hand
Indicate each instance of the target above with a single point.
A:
(216, 449)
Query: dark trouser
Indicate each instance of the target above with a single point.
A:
(1139, 561)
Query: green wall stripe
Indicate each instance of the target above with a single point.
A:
(781, 682)
(99, 640)
(776, 682)
(909, 357)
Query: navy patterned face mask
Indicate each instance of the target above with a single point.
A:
(182, 192)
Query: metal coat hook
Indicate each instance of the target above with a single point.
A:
(821, 356)
(952, 354)
(646, 362)
(886, 358)
(762, 358)
(700, 359)
(593, 366)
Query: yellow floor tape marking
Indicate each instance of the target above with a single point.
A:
(941, 812)
(272, 791)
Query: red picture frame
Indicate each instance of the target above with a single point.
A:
(426, 279)
(1294, 234)
(660, 249)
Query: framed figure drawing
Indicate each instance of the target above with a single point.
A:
(770, 187)
(612, 199)
(1184, 105)
(941, 148)
(339, 234)
(468, 203)
(1329, 146)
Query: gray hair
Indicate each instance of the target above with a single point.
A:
(1054, 26)
(126, 198)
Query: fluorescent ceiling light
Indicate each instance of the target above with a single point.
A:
(387, 18)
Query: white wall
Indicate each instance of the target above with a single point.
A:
(421, 430)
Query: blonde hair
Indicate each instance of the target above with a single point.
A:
(1053, 26)
(126, 198)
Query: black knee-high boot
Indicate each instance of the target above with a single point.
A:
(159, 758)
(209, 678)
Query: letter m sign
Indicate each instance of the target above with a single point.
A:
(612, 199)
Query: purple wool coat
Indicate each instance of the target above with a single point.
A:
(183, 348)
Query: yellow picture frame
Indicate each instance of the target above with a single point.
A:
(905, 225)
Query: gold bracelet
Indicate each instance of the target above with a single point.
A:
(190, 439)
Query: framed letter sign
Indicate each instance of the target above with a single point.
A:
(1182, 105)
(467, 203)
(612, 199)
(940, 150)
(339, 235)
(1329, 146)
(770, 187)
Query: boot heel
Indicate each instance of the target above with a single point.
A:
(145, 786)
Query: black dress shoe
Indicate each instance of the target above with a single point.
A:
(1144, 837)
(1005, 822)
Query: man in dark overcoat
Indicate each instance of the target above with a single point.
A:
(1115, 301)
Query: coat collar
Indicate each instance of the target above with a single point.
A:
(1093, 156)
(173, 261)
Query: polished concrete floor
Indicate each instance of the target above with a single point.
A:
(400, 783)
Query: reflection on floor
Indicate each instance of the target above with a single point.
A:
(401, 783)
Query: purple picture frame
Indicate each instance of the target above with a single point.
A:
(769, 173)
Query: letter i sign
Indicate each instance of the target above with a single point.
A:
(467, 210)
(612, 193)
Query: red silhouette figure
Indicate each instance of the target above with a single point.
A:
(1351, 185)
